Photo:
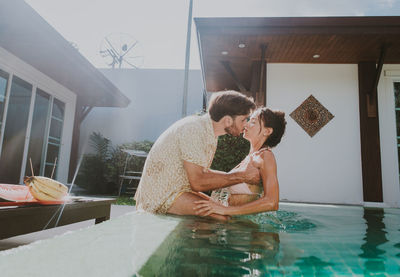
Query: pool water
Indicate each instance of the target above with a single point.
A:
(299, 239)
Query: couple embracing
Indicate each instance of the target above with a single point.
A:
(176, 172)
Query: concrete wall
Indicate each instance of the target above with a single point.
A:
(156, 96)
(327, 167)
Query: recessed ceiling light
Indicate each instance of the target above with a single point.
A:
(242, 45)
(316, 56)
(224, 53)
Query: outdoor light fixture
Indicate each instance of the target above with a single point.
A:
(242, 45)
(224, 53)
(316, 56)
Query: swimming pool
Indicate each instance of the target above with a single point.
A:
(299, 239)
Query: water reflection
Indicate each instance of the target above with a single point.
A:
(201, 247)
(375, 236)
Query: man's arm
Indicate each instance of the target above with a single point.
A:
(202, 179)
(269, 202)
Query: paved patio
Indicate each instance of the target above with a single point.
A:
(116, 210)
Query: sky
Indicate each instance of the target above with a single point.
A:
(160, 26)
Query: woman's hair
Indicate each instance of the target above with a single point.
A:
(230, 103)
(276, 121)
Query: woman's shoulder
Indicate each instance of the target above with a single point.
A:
(266, 155)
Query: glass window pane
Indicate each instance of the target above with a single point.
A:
(3, 89)
(58, 109)
(56, 128)
(52, 153)
(15, 131)
(397, 94)
(48, 170)
(38, 132)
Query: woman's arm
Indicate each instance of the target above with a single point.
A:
(269, 201)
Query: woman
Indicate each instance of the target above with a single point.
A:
(264, 131)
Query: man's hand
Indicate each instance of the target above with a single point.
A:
(251, 172)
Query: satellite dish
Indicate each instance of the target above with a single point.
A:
(121, 50)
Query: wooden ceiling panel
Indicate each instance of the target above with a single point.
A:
(291, 40)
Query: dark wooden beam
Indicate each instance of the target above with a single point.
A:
(73, 160)
(85, 113)
(255, 76)
(299, 30)
(81, 111)
(239, 84)
(258, 79)
(371, 100)
(262, 88)
(369, 132)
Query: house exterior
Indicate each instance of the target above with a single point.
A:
(338, 81)
(46, 89)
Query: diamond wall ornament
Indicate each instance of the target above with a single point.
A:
(311, 115)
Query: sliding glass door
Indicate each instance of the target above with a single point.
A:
(16, 122)
(39, 130)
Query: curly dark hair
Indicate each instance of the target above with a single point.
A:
(276, 121)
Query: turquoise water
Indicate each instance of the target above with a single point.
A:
(297, 240)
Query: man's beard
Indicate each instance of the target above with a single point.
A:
(233, 130)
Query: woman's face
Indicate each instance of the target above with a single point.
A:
(253, 130)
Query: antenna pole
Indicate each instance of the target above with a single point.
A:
(185, 82)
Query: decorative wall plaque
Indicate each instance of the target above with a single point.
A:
(311, 115)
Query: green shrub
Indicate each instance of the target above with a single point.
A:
(230, 152)
(125, 200)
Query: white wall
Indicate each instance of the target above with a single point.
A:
(327, 167)
(156, 103)
(388, 141)
(14, 65)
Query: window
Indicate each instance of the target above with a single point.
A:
(54, 138)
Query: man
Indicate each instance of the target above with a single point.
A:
(177, 167)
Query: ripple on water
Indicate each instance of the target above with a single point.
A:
(280, 221)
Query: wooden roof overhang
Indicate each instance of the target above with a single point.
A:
(25, 34)
(339, 40)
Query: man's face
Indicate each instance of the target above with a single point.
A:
(237, 126)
